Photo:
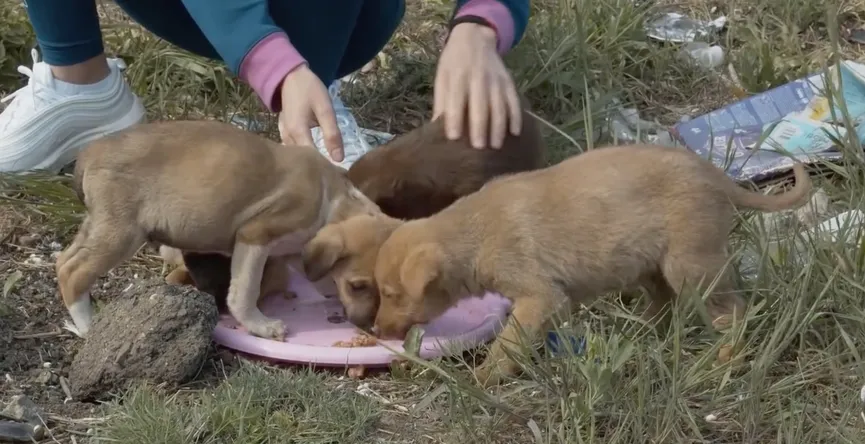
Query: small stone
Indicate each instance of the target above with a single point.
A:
(357, 372)
(28, 240)
(20, 432)
(46, 365)
(22, 409)
(47, 377)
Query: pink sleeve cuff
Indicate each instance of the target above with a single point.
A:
(267, 64)
(497, 15)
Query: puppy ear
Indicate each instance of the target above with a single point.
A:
(320, 254)
(423, 267)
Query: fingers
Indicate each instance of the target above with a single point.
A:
(440, 93)
(482, 86)
(515, 109)
(498, 117)
(297, 132)
(479, 110)
(455, 108)
(326, 118)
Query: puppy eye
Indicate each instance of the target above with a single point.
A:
(358, 285)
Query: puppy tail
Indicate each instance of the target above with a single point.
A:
(794, 198)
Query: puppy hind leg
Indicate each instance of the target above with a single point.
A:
(701, 271)
(77, 243)
(94, 252)
(662, 297)
(532, 310)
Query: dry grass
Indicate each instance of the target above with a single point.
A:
(794, 378)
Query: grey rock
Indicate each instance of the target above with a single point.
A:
(20, 432)
(22, 409)
(153, 332)
(47, 377)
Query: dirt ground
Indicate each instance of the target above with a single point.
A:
(36, 350)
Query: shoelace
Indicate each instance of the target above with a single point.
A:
(33, 82)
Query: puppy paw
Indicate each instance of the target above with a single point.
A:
(488, 375)
(69, 326)
(272, 329)
(725, 353)
(723, 322)
(179, 276)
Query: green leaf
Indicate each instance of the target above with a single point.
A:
(11, 280)
(413, 340)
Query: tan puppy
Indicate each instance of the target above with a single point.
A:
(200, 186)
(606, 220)
(415, 175)
(347, 252)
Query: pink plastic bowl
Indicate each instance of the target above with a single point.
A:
(311, 335)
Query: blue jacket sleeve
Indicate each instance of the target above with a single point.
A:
(234, 27)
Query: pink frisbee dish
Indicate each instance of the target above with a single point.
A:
(314, 323)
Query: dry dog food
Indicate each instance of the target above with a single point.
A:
(361, 340)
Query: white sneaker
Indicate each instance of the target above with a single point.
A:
(43, 128)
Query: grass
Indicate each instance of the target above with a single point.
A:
(251, 405)
(794, 376)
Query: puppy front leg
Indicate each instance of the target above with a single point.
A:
(247, 269)
(528, 317)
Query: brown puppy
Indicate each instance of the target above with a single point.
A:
(602, 221)
(422, 172)
(415, 175)
(200, 186)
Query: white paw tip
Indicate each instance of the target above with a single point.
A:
(69, 326)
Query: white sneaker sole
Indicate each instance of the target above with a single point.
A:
(68, 151)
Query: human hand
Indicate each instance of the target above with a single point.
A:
(471, 73)
(305, 104)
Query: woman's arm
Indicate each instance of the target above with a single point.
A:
(249, 42)
(508, 17)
